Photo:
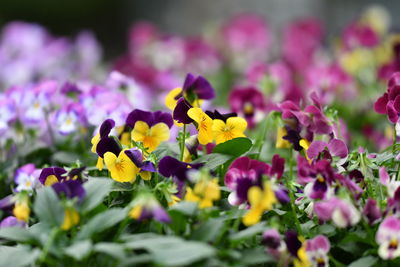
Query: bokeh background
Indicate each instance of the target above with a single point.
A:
(110, 20)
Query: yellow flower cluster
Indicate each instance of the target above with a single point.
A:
(204, 193)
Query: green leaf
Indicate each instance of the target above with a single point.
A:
(65, 157)
(185, 207)
(79, 250)
(249, 232)
(101, 222)
(96, 189)
(171, 250)
(18, 256)
(209, 230)
(115, 250)
(16, 234)
(213, 160)
(234, 147)
(48, 208)
(364, 262)
(255, 256)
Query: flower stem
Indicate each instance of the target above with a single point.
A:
(183, 142)
(54, 232)
(289, 185)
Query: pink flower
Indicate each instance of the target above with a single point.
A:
(388, 238)
(317, 250)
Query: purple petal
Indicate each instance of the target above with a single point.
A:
(338, 148)
(383, 176)
(180, 111)
(278, 166)
(70, 188)
(391, 112)
(380, 104)
(282, 195)
(372, 211)
(56, 171)
(203, 88)
(189, 80)
(107, 144)
(293, 243)
(148, 166)
(315, 148)
(139, 115)
(106, 127)
(161, 215)
(12, 221)
(164, 117)
(135, 155)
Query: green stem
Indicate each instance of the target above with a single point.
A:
(289, 185)
(183, 142)
(48, 244)
(261, 138)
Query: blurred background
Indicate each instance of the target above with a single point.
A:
(110, 20)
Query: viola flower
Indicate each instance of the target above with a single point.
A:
(21, 208)
(389, 103)
(260, 200)
(317, 251)
(280, 141)
(121, 167)
(12, 221)
(341, 212)
(180, 113)
(67, 120)
(146, 206)
(205, 190)
(106, 143)
(150, 128)
(178, 170)
(71, 218)
(146, 167)
(70, 189)
(249, 103)
(52, 175)
(297, 249)
(335, 147)
(371, 211)
(273, 242)
(194, 89)
(26, 178)
(204, 125)
(388, 238)
(227, 130)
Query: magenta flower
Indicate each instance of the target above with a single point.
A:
(335, 147)
(248, 102)
(317, 250)
(388, 238)
(341, 212)
(273, 242)
(371, 211)
(359, 34)
(389, 103)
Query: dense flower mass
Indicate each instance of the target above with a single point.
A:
(238, 150)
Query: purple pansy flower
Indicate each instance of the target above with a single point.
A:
(146, 206)
(12, 221)
(70, 189)
(249, 103)
(151, 118)
(341, 212)
(198, 86)
(335, 147)
(52, 175)
(180, 111)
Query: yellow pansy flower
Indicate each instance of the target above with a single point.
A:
(260, 200)
(71, 218)
(204, 125)
(232, 128)
(280, 142)
(204, 192)
(122, 168)
(151, 137)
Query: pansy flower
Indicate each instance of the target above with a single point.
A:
(317, 251)
(12, 221)
(178, 170)
(194, 89)
(204, 125)
(68, 119)
(341, 212)
(389, 103)
(388, 238)
(26, 177)
(52, 175)
(146, 167)
(273, 242)
(145, 206)
(372, 211)
(121, 166)
(297, 249)
(205, 191)
(249, 103)
(335, 147)
(150, 128)
(101, 142)
(233, 127)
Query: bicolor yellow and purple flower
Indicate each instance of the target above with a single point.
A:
(121, 166)
(297, 249)
(150, 128)
(146, 206)
(204, 125)
(233, 127)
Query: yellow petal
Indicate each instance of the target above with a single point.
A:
(237, 123)
(50, 180)
(190, 196)
(252, 217)
(205, 125)
(160, 131)
(100, 163)
(21, 211)
(125, 140)
(280, 142)
(140, 131)
(95, 140)
(255, 195)
(71, 218)
(135, 212)
(145, 175)
(195, 114)
(170, 101)
(110, 159)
